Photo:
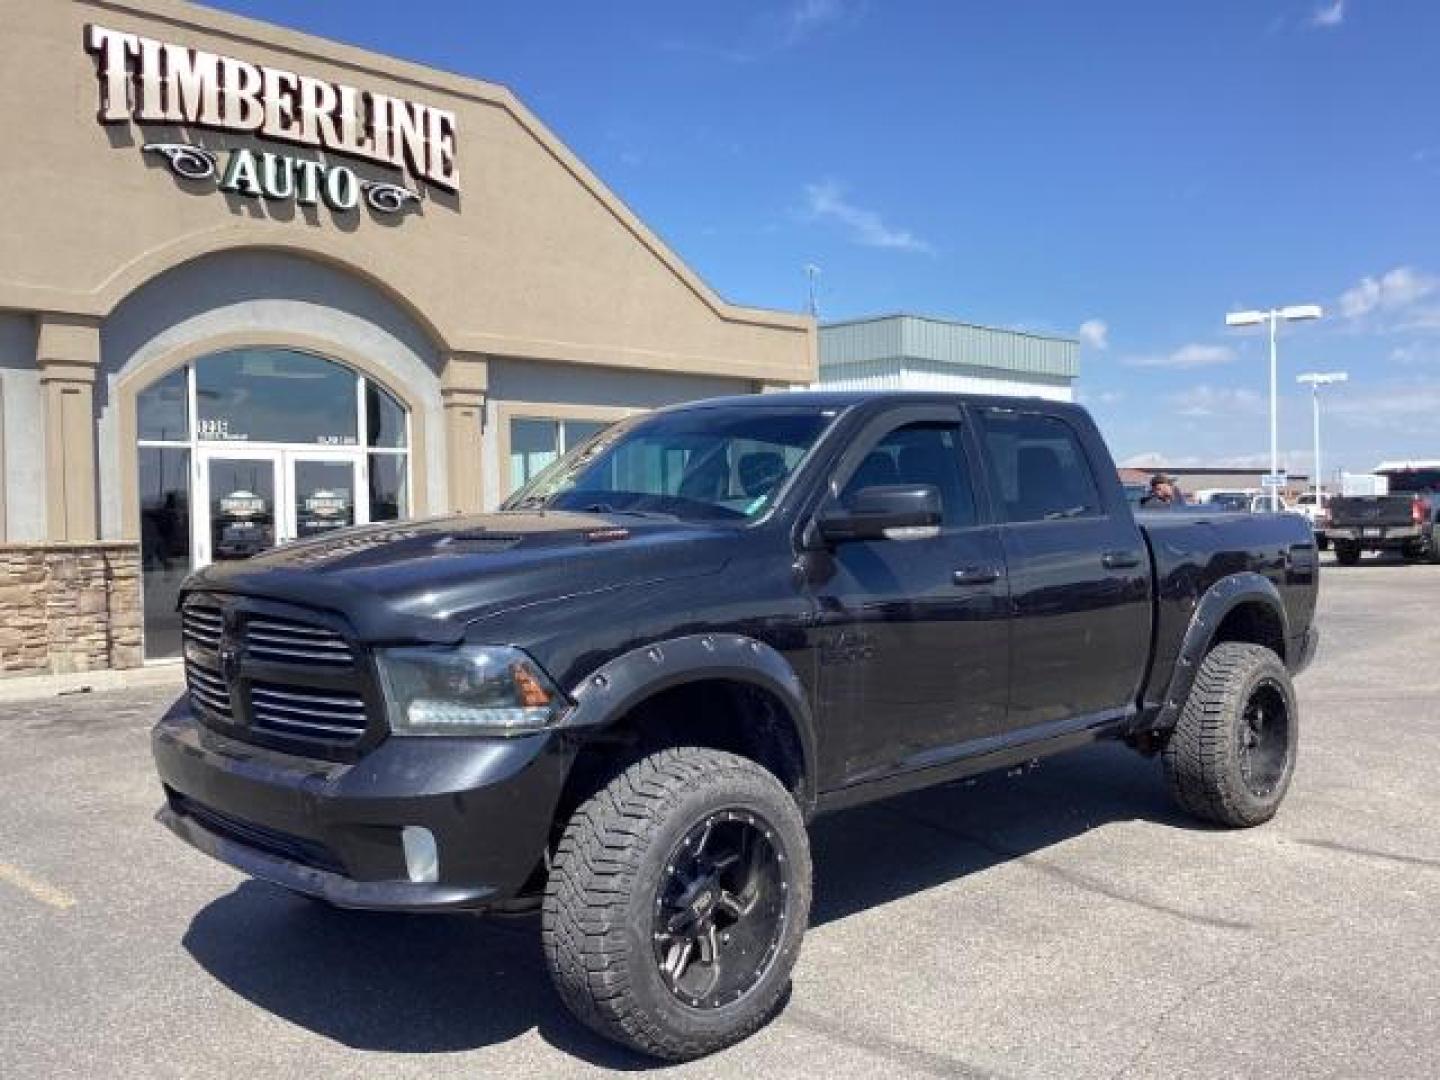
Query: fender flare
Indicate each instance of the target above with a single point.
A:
(617, 686)
(1219, 601)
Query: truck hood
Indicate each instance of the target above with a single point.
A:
(426, 580)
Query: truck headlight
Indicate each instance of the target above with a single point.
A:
(466, 690)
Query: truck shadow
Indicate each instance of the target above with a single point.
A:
(427, 984)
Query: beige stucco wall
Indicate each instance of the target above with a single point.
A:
(534, 258)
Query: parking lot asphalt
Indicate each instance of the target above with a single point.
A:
(1065, 921)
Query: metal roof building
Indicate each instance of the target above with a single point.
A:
(913, 352)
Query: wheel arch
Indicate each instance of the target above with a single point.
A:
(620, 689)
(1244, 607)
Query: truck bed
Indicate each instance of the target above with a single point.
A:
(1190, 550)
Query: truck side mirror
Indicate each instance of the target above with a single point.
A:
(884, 512)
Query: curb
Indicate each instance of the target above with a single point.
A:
(37, 687)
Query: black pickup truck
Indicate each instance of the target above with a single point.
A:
(1405, 520)
(620, 699)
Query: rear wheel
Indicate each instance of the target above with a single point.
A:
(677, 901)
(1231, 756)
(1347, 552)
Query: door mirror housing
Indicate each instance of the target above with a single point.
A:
(884, 512)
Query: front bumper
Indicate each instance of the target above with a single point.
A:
(332, 830)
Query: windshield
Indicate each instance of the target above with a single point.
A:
(711, 464)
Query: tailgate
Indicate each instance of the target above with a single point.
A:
(1360, 511)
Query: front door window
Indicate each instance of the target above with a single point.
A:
(241, 505)
(322, 496)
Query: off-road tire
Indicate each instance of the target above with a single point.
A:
(1347, 552)
(601, 899)
(1203, 756)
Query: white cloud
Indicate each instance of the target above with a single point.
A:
(1295, 461)
(1393, 291)
(1328, 15)
(1095, 333)
(826, 201)
(1185, 357)
(1206, 400)
(805, 17)
(1399, 408)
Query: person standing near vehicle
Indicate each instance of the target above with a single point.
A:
(1164, 494)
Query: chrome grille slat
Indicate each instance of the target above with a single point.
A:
(352, 717)
(296, 643)
(283, 723)
(202, 625)
(349, 701)
(292, 628)
(213, 683)
(293, 709)
(270, 637)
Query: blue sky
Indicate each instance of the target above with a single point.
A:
(1125, 172)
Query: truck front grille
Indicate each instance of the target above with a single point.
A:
(276, 675)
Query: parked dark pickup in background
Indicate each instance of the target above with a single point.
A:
(1403, 521)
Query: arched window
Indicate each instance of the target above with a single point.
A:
(245, 449)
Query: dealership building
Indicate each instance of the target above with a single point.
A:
(256, 285)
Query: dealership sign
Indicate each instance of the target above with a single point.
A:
(153, 82)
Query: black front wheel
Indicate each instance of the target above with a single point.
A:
(1232, 753)
(676, 903)
(1347, 552)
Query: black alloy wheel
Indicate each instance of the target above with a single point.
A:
(720, 909)
(1264, 738)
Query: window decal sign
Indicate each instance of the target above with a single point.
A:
(151, 82)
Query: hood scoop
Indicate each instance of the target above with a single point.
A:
(475, 542)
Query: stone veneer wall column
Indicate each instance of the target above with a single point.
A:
(463, 385)
(68, 608)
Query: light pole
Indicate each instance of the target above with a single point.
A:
(1317, 379)
(1293, 313)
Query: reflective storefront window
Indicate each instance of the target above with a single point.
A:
(164, 481)
(163, 410)
(533, 445)
(388, 487)
(384, 418)
(536, 443)
(275, 395)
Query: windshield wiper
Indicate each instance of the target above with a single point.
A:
(606, 508)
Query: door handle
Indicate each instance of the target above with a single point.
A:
(1120, 560)
(975, 575)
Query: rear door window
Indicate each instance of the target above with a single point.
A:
(1038, 467)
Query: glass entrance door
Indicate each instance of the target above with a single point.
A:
(238, 504)
(253, 499)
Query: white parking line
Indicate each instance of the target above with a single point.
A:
(37, 889)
